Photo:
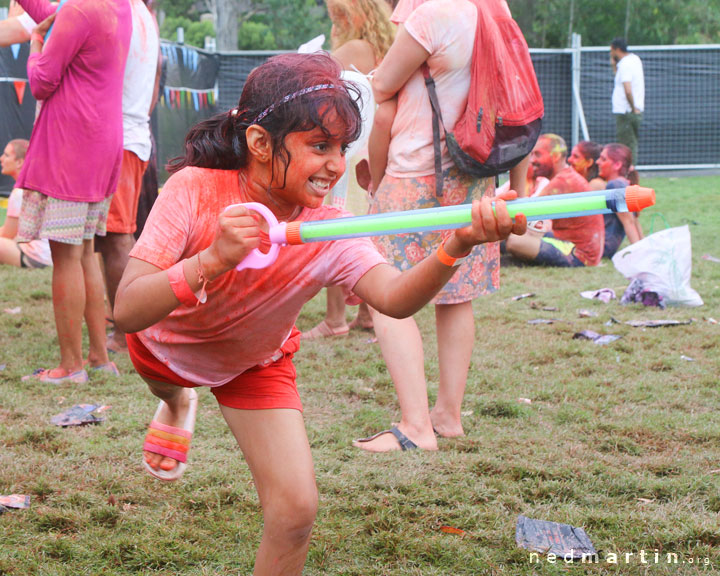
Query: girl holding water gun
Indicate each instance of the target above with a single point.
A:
(194, 320)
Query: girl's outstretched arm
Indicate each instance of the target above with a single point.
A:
(401, 294)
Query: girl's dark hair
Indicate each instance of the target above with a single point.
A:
(623, 154)
(219, 142)
(590, 150)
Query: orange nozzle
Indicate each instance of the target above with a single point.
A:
(639, 197)
(292, 232)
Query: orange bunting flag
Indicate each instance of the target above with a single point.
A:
(20, 90)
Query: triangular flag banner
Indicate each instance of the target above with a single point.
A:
(20, 90)
(196, 102)
(15, 50)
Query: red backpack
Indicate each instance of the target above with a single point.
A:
(503, 116)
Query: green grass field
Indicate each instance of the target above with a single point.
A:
(622, 440)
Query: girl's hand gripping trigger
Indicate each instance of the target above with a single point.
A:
(258, 259)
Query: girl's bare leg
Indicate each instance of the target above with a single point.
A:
(277, 451)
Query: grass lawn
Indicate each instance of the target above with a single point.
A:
(622, 440)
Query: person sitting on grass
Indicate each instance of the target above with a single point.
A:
(583, 159)
(33, 254)
(615, 166)
(193, 320)
(573, 241)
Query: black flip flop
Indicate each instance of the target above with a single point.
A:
(404, 441)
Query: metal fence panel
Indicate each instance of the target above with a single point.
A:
(680, 128)
(681, 122)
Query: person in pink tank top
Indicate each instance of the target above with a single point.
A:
(73, 163)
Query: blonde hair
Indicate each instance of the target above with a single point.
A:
(367, 20)
(557, 144)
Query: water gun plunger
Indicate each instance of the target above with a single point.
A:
(630, 199)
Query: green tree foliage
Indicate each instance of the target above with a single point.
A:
(195, 31)
(256, 36)
(182, 8)
(285, 24)
(264, 24)
(546, 23)
(294, 21)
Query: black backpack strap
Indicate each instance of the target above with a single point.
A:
(436, 121)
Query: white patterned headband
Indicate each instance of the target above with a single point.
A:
(292, 96)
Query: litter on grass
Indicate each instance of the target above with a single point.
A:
(79, 415)
(541, 321)
(604, 294)
(657, 323)
(637, 293)
(526, 295)
(17, 501)
(583, 313)
(561, 540)
(15, 310)
(599, 339)
(452, 530)
(687, 358)
(710, 258)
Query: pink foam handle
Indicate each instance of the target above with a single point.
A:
(257, 259)
(170, 429)
(155, 449)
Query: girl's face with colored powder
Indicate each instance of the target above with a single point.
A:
(607, 169)
(579, 163)
(317, 161)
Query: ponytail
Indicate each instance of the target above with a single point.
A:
(623, 154)
(218, 142)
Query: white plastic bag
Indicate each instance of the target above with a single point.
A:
(663, 261)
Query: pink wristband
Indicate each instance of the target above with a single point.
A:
(180, 286)
(36, 37)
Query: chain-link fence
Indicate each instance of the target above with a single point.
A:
(681, 122)
(680, 128)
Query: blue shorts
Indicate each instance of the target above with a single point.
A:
(554, 252)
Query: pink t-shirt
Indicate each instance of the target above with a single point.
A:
(446, 29)
(249, 314)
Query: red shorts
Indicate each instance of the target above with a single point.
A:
(260, 388)
(122, 216)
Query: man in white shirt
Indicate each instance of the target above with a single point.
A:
(628, 97)
(140, 88)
